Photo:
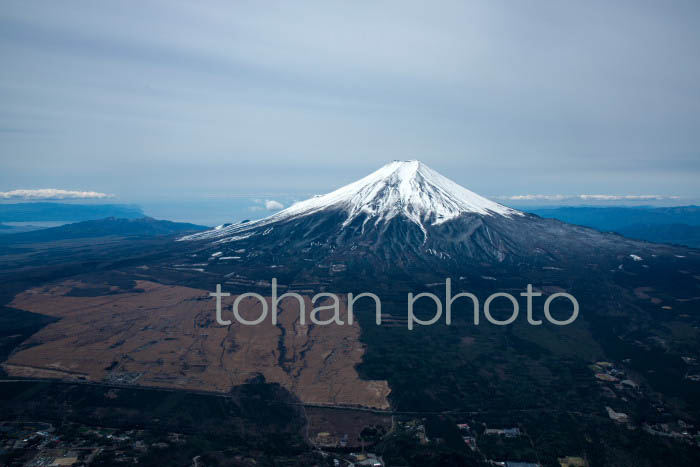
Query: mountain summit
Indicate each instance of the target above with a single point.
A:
(408, 188)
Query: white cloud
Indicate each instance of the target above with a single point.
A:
(272, 205)
(266, 205)
(626, 197)
(587, 197)
(535, 197)
(52, 193)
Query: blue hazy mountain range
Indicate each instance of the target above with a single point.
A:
(65, 212)
(107, 227)
(679, 225)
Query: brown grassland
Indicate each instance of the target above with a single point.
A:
(166, 336)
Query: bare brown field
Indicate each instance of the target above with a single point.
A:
(167, 336)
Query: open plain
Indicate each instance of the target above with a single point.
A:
(166, 336)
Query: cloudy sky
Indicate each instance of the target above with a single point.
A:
(150, 100)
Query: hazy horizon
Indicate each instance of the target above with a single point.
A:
(217, 211)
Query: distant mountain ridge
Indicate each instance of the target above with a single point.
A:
(46, 211)
(678, 225)
(612, 218)
(679, 234)
(111, 226)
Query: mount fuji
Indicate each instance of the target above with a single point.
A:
(407, 217)
(401, 188)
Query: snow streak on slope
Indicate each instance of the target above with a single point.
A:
(408, 188)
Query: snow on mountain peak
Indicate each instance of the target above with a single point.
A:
(408, 188)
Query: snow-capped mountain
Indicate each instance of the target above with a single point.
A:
(402, 217)
(400, 188)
